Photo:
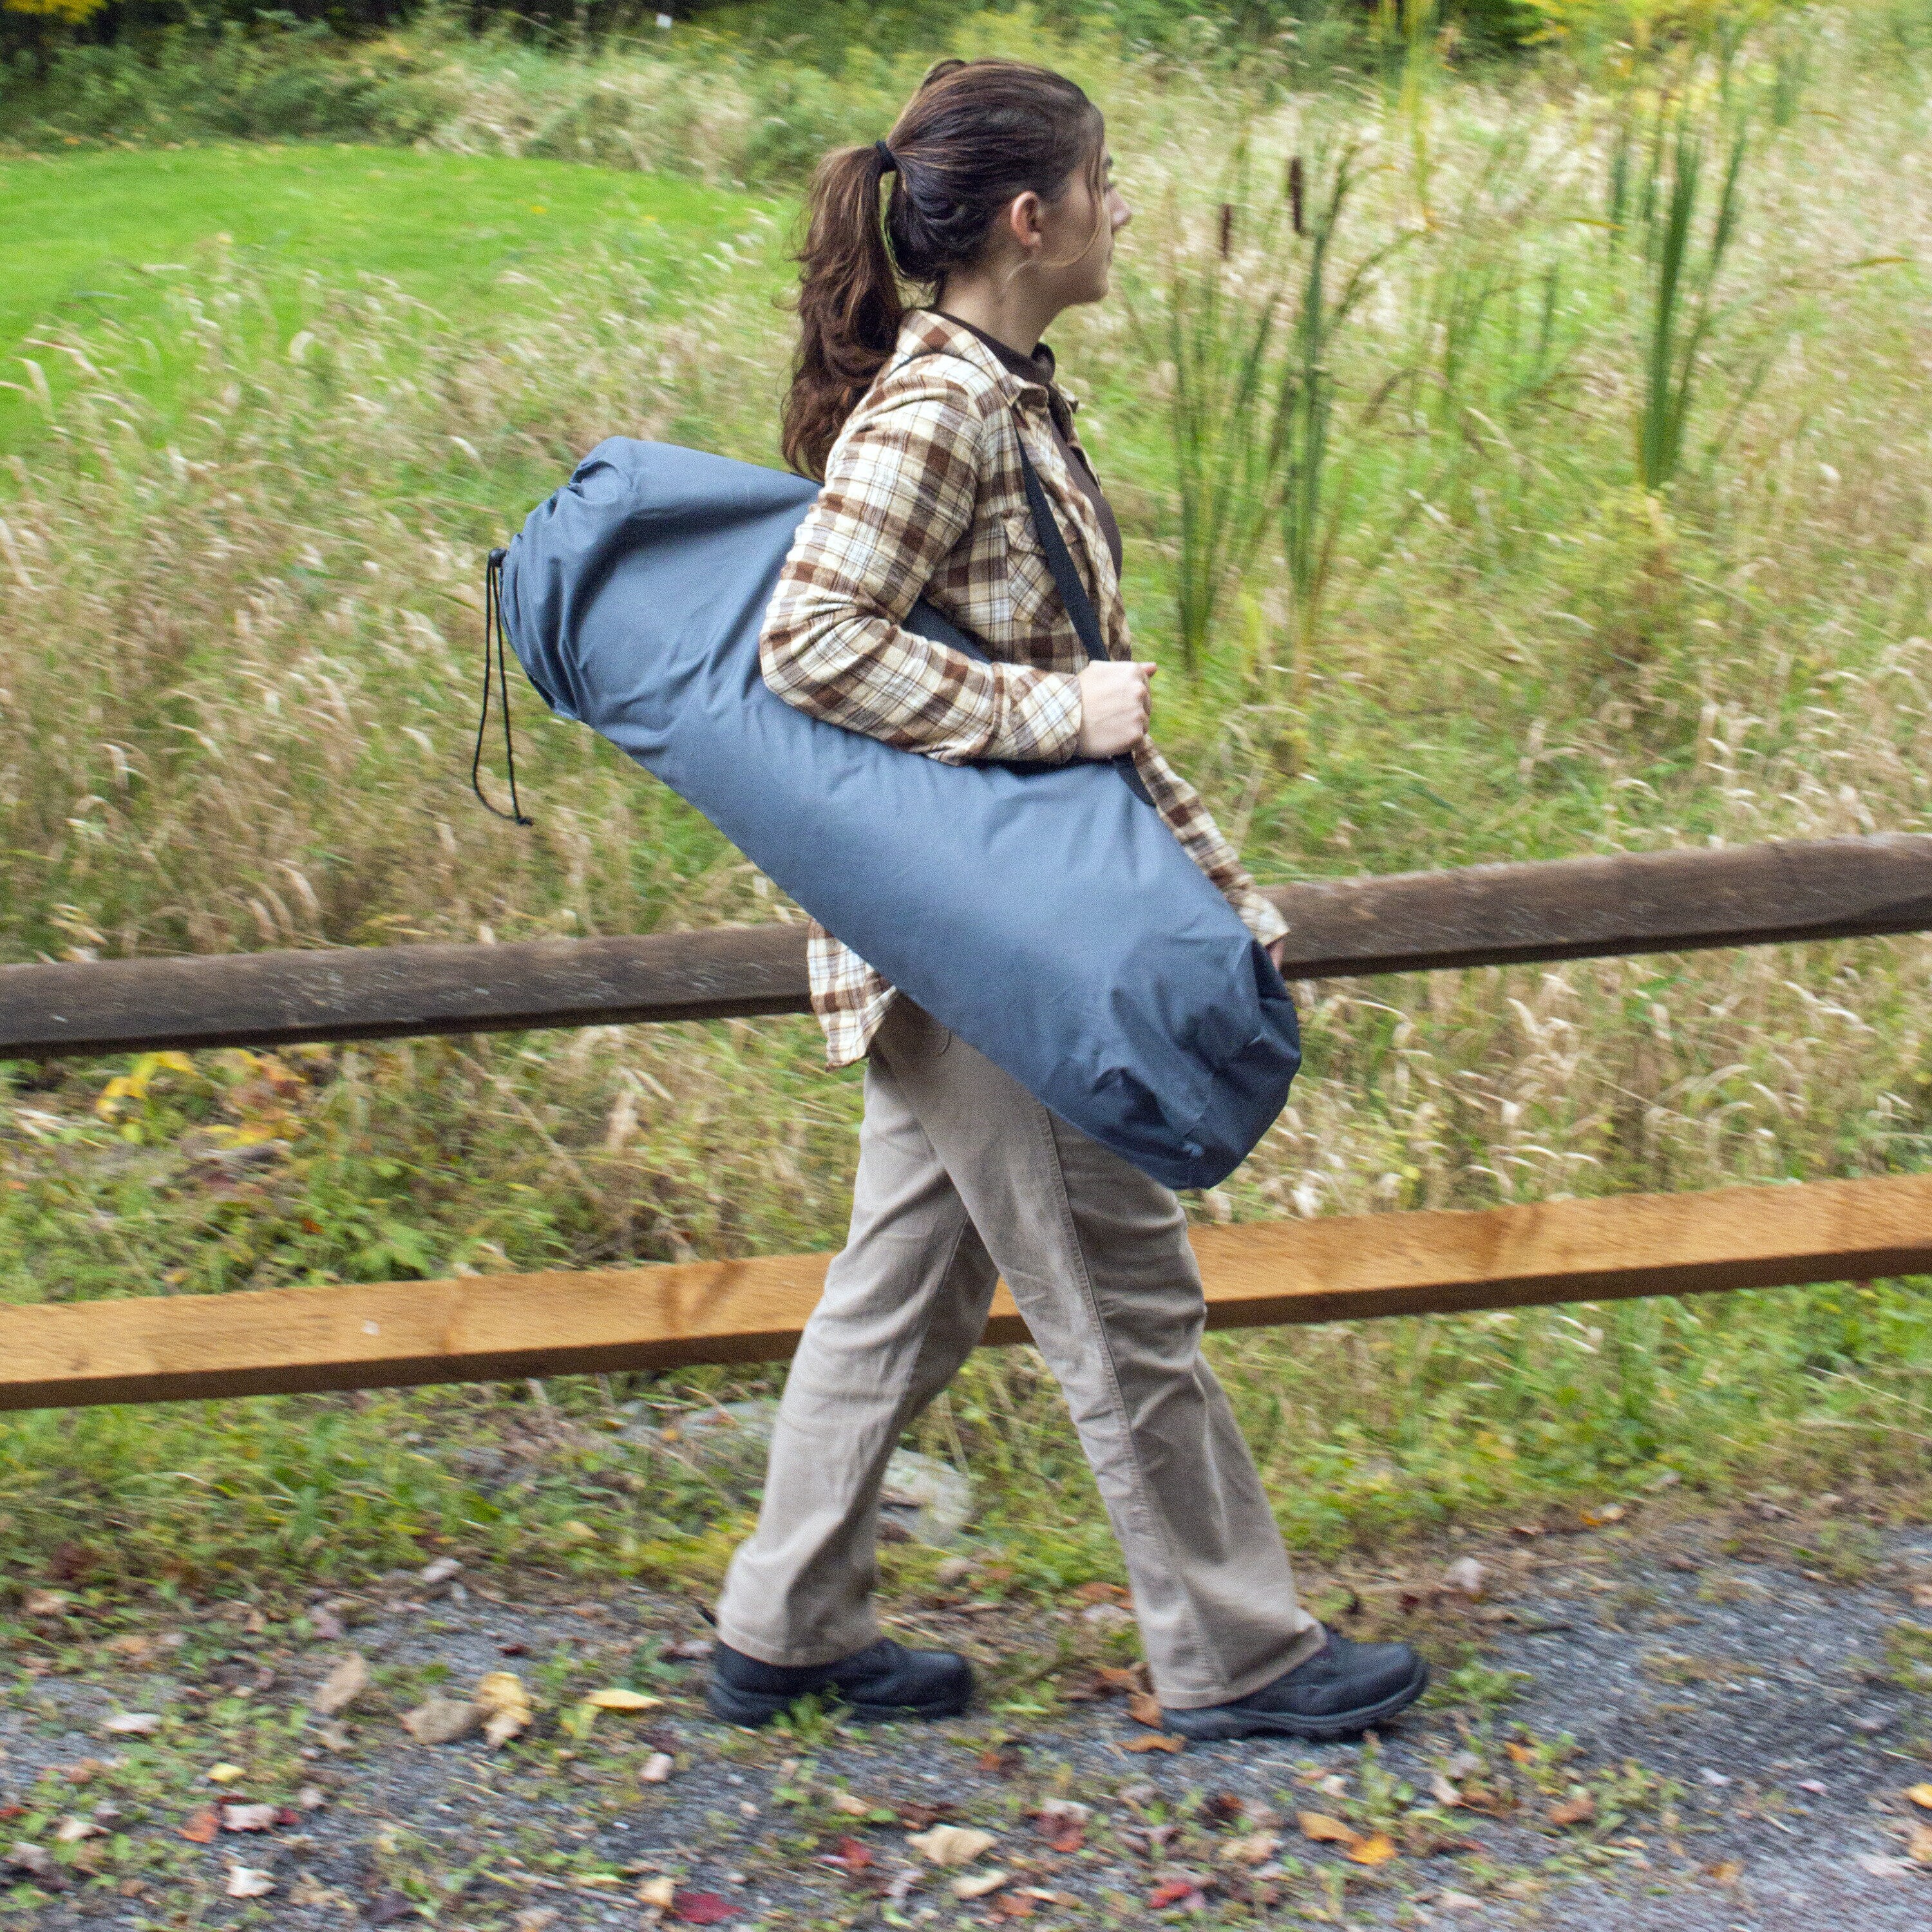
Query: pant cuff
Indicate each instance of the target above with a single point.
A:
(1307, 1642)
(794, 1657)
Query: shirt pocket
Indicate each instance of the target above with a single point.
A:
(1035, 596)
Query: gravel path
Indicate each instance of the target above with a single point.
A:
(1703, 1723)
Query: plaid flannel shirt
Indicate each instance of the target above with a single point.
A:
(924, 495)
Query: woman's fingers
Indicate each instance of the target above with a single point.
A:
(1115, 704)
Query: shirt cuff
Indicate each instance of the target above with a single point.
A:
(1260, 917)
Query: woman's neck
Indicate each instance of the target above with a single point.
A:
(1006, 309)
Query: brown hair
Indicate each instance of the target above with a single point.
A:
(976, 134)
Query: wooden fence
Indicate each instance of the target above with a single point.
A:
(390, 1334)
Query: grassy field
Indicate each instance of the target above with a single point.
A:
(1599, 526)
(94, 239)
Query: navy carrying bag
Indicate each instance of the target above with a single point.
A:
(1044, 913)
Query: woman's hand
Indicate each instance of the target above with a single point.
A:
(1115, 705)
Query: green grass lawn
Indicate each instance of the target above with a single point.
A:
(91, 240)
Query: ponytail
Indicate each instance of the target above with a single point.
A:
(976, 134)
(850, 306)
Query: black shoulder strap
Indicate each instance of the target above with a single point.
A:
(1072, 591)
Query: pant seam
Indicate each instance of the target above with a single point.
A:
(1085, 1283)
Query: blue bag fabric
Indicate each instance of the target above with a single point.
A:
(1045, 914)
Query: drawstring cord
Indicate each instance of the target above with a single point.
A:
(494, 630)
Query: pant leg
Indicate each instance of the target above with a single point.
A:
(904, 1303)
(1097, 1257)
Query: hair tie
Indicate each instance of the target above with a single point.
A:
(888, 161)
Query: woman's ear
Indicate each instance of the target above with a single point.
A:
(1026, 220)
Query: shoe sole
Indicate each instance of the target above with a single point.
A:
(1223, 1722)
(754, 1709)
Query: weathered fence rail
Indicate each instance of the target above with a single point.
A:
(279, 1341)
(1477, 915)
(388, 1334)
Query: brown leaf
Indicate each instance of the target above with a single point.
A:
(1254, 1849)
(249, 1817)
(916, 1816)
(442, 1721)
(1573, 1811)
(1325, 1830)
(1377, 1848)
(1144, 1709)
(1520, 1754)
(853, 1855)
(1153, 1742)
(952, 1844)
(1100, 1593)
(342, 1686)
(201, 1826)
(978, 1885)
(1726, 1871)
(1113, 1679)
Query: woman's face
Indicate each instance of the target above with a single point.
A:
(1077, 233)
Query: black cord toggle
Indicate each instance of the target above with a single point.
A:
(495, 629)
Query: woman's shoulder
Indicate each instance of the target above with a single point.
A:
(935, 361)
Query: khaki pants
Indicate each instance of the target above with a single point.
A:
(963, 1177)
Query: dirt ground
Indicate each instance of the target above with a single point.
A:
(1669, 1720)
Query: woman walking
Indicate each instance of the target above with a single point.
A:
(998, 206)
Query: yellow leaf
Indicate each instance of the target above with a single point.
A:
(1919, 1847)
(1921, 1795)
(1375, 1850)
(506, 1705)
(852, 1806)
(618, 1700)
(951, 1844)
(1325, 1830)
(225, 1774)
(657, 1892)
(1520, 1753)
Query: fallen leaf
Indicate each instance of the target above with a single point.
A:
(249, 1817)
(201, 1826)
(615, 1698)
(1004, 1759)
(133, 1724)
(342, 1686)
(1063, 1823)
(1918, 1847)
(71, 1831)
(702, 1908)
(1921, 1795)
(1523, 1753)
(245, 1882)
(1100, 1593)
(1442, 1791)
(657, 1892)
(1881, 1867)
(852, 1806)
(36, 1861)
(44, 1603)
(1144, 1709)
(952, 1844)
(1325, 1830)
(442, 1721)
(440, 1571)
(657, 1768)
(853, 1855)
(1573, 1811)
(1726, 1871)
(1458, 1901)
(1154, 1743)
(977, 1885)
(1256, 1849)
(917, 1817)
(1111, 1679)
(133, 1645)
(335, 1738)
(1465, 1575)
(506, 1705)
(1377, 1848)
(225, 1774)
(540, 1918)
(1172, 1891)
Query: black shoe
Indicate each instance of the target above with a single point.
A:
(1343, 1689)
(884, 1681)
